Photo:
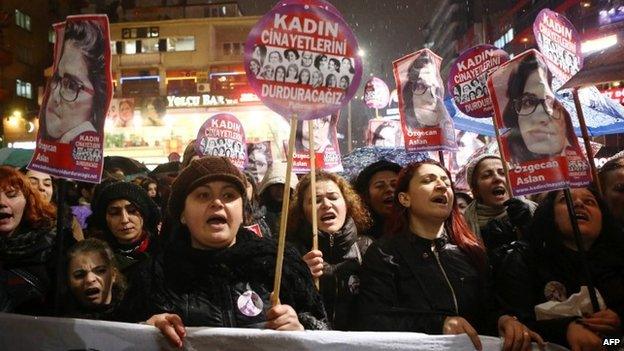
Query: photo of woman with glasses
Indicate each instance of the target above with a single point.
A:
(77, 95)
(539, 125)
(422, 94)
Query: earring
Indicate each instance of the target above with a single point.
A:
(182, 220)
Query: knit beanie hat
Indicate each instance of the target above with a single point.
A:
(126, 191)
(362, 181)
(473, 166)
(276, 174)
(199, 172)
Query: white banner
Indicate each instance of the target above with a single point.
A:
(19, 332)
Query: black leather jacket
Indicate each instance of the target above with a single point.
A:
(409, 283)
(27, 271)
(222, 288)
(342, 255)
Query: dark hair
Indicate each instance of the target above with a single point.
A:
(351, 69)
(300, 135)
(104, 250)
(317, 61)
(263, 51)
(544, 236)
(293, 51)
(377, 133)
(519, 152)
(336, 64)
(279, 68)
(259, 66)
(331, 75)
(296, 68)
(611, 165)
(89, 37)
(458, 231)
(309, 76)
(408, 90)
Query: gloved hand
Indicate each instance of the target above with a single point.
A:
(519, 212)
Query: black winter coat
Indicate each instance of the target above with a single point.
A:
(412, 284)
(27, 271)
(525, 273)
(342, 255)
(229, 287)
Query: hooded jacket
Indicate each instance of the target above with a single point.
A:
(342, 255)
(272, 210)
(412, 284)
(228, 287)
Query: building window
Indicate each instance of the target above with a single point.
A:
(129, 47)
(181, 44)
(23, 89)
(233, 49)
(505, 39)
(149, 45)
(22, 20)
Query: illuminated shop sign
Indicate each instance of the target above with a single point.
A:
(208, 100)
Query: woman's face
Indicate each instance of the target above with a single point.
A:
(544, 130)
(91, 279)
(332, 65)
(317, 78)
(258, 164)
(425, 95)
(462, 204)
(429, 195)
(306, 59)
(71, 78)
(254, 67)
(12, 204)
(279, 74)
(125, 111)
(344, 84)
(41, 182)
(614, 192)
(291, 56)
(346, 63)
(331, 81)
(213, 214)
(124, 221)
(321, 133)
(274, 57)
(305, 77)
(386, 137)
(588, 216)
(381, 192)
(331, 208)
(152, 190)
(490, 185)
(268, 72)
(292, 72)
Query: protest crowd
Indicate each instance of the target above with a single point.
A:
(395, 252)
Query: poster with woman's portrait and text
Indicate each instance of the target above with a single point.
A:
(76, 100)
(426, 124)
(536, 135)
(325, 142)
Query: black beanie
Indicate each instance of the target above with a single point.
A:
(362, 181)
(134, 194)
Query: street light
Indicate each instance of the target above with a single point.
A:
(361, 53)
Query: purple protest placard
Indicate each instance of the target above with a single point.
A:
(376, 93)
(222, 135)
(560, 43)
(302, 61)
(467, 80)
(71, 137)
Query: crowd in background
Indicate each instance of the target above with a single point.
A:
(399, 249)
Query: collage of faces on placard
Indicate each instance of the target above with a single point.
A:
(301, 67)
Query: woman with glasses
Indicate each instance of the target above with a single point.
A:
(422, 95)
(77, 95)
(538, 123)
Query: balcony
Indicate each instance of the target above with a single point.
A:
(139, 60)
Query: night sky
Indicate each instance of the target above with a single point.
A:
(386, 30)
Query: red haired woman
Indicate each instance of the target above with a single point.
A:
(429, 274)
(27, 235)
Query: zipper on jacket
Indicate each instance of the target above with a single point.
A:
(435, 253)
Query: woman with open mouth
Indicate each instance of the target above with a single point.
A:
(341, 218)
(95, 283)
(494, 216)
(547, 268)
(375, 184)
(27, 237)
(214, 272)
(128, 219)
(429, 273)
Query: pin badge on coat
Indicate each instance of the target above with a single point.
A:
(249, 303)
